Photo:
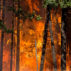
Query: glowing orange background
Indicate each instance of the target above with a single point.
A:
(29, 32)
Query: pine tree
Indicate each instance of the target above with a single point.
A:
(53, 47)
(18, 40)
(54, 4)
(45, 39)
(63, 40)
(12, 35)
(2, 37)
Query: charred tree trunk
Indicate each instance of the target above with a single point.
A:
(12, 39)
(45, 39)
(63, 41)
(0, 4)
(53, 47)
(1, 59)
(18, 40)
(2, 36)
(18, 46)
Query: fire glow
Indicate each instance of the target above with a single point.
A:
(29, 32)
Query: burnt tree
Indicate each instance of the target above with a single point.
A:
(63, 40)
(45, 39)
(2, 37)
(18, 39)
(12, 35)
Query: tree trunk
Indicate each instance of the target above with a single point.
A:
(18, 41)
(2, 37)
(1, 58)
(63, 41)
(36, 55)
(0, 5)
(45, 39)
(18, 47)
(12, 38)
(53, 47)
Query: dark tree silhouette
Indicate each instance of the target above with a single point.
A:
(12, 38)
(45, 39)
(2, 36)
(63, 40)
(18, 40)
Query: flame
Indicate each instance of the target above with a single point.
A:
(29, 32)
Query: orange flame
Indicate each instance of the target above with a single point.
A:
(29, 32)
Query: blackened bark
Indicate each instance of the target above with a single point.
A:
(18, 46)
(2, 36)
(18, 41)
(0, 4)
(11, 52)
(1, 59)
(12, 39)
(63, 41)
(45, 40)
(53, 47)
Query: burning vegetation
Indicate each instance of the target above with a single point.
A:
(32, 37)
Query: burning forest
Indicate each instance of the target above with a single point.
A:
(35, 35)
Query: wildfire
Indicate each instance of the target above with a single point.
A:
(29, 32)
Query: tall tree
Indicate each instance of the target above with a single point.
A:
(12, 34)
(2, 36)
(45, 39)
(18, 40)
(0, 5)
(53, 47)
(63, 40)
